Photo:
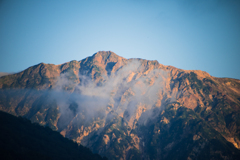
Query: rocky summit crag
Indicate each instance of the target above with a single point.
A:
(130, 108)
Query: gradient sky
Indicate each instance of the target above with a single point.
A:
(187, 34)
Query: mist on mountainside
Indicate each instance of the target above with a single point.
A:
(94, 98)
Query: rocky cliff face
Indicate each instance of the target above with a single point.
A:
(130, 108)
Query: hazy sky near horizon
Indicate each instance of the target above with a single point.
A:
(187, 34)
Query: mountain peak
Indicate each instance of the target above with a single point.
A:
(104, 53)
(106, 56)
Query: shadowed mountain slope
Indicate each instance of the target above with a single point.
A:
(20, 139)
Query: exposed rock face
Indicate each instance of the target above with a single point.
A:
(130, 108)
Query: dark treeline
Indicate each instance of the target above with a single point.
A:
(20, 139)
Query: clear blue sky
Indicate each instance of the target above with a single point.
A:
(188, 34)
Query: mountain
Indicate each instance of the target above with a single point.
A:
(20, 139)
(130, 108)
